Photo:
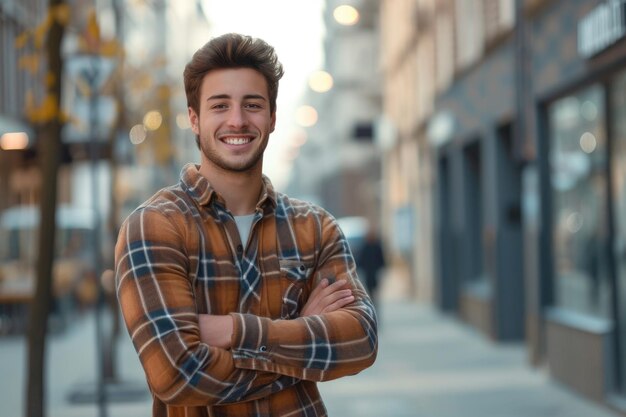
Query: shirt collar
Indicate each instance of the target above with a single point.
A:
(199, 188)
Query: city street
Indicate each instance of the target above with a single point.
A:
(428, 365)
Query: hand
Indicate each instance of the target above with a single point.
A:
(215, 330)
(326, 298)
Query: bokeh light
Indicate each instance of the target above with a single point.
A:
(306, 116)
(182, 121)
(14, 141)
(346, 15)
(299, 137)
(152, 120)
(588, 142)
(137, 134)
(320, 81)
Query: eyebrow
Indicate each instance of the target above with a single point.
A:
(247, 97)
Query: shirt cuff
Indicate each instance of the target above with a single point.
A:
(249, 338)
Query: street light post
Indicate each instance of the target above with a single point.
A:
(91, 75)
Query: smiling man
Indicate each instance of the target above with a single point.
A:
(237, 298)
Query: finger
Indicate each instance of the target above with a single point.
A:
(335, 286)
(319, 287)
(338, 304)
(331, 298)
(315, 296)
(310, 307)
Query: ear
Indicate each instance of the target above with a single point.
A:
(193, 119)
(273, 122)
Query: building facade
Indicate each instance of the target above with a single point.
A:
(16, 85)
(340, 148)
(524, 144)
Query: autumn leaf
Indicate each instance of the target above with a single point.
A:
(46, 112)
(110, 48)
(92, 33)
(29, 62)
(61, 14)
(41, 31)
(21, 40)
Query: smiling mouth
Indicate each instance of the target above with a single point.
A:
(236, 141)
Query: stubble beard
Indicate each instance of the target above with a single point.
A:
(240, 166)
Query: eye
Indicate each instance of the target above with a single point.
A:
(255, 106)
(219, 106)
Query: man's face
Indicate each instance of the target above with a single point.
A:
(234, 122)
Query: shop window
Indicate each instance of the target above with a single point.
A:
(578, 163)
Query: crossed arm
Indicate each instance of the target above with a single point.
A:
(216, 330)
(334, 336)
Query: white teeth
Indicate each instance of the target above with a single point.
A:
(236, 141)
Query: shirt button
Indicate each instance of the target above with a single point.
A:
(239, 249)
(302, 268)
(263, 349)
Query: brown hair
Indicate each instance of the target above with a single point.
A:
(232, 50)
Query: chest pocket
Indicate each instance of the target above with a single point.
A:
(294, 280)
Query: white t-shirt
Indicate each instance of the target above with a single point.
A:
(244, 225)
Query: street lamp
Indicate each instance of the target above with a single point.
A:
(93, 70)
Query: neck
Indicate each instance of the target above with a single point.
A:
(240, 190)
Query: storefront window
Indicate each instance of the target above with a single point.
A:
(578, 163)
(618, 168)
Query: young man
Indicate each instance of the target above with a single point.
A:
(237, 298)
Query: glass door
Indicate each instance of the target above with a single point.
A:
(578, 163)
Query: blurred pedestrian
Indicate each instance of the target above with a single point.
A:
(370, 260)
(238, 299)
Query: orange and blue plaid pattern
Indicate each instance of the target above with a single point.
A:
(179, 255)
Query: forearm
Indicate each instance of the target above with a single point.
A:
(158, 308)
(320, 347)
(317, 348)
(181, 370)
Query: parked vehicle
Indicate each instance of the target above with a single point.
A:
(73, 283)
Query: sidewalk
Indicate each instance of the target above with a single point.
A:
(433, 366)
(428, 366)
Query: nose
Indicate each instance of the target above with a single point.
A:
(237, 118)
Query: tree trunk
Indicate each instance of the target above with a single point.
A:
(49, 143)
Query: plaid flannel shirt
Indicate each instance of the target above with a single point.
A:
(179, 255)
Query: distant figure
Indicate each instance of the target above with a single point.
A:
(371, 260)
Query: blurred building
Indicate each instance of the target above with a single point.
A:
(121, 90)
(16, 135)
(155, 139)
(507, 135)
(409, 85)
(339, 166)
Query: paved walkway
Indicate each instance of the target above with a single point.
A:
(428, 366)
(433, 366)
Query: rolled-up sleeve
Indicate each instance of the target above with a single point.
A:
(318, 348)
(158, 306)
